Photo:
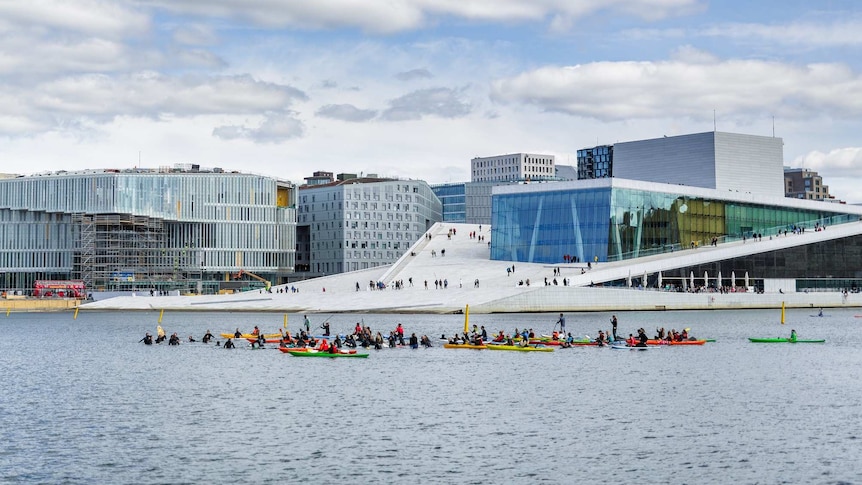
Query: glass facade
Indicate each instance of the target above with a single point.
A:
(596, 162)
(453, 198)
(145, 229)
(614, 223)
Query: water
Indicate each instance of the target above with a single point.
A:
(83, 402)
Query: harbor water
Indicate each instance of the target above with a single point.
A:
(84, 402)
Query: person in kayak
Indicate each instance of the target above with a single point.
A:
(228, 344)
(793, 335)
(642, 338)
(600, 340)
(483, 333)
(332, 349)
(147, 340)
(256, 331)
(325, 327)
(631, 341)
(207, 337)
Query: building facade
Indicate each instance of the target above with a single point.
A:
(616, 219)
(714, 160)
(801, 183)
(162, 229)
(596, 162)
(359, 223)
(452, 200)
(512, 168)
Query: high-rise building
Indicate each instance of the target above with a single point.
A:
(354, 223)
(453, 201)
(182, 228)
(802, 183)
(512, 168)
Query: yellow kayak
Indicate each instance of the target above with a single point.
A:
(518, 348)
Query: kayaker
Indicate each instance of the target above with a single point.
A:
(325, 328)
(207, 337)
(630, 341)
(483, 332)
(793, 335)
(425, 341)
(600, 340)
(337, 342)
(357, 330)
(175, 340)
(147, 340)
(414, 341)
(228, 344)
(256, 331)
(324, 345)
(642, 338)
(160, 334)
(237, 334)
(332, 349)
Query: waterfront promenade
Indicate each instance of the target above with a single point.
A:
(460, 261)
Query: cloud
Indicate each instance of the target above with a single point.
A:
(195, 34)
(440, 102)
(274, 128)
(414, 74)
(87, 17)
(100, 98)
(618, 91)
(805, 35)
(346, 112)
(844, 162)
(403, 15)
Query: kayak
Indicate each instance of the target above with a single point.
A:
(626, 347)
(251, 335)
(265, 340)
(288, 350)
(672, 342)
(518, 348)
(464, 346)
(784, 340)
(297, 353)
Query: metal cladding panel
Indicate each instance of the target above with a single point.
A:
(681, 160)
(748, 163)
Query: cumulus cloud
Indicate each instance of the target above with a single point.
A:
(98, 18)
(440, 102)
(274, 128)
(614, 91)
(401, 15)
(414, 74)
(346, 112)
(101, 98)
(195, 34)
(839, 162)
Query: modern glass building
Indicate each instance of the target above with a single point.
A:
(453, 201)
(179, 228)
(596, 162)
(616, 219)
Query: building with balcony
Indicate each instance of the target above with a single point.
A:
(802, 183)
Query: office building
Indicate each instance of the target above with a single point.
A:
(354, 223)
(595, 162)
(802, 183)
(512, 168)
(182, 228)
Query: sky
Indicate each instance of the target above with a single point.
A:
(417, 88)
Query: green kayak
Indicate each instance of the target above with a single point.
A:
(326, 355)
(784, 341)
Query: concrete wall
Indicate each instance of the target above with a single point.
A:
(684, 160)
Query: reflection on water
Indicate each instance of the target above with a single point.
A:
(84, 402)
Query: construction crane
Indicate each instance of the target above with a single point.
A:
(265, 281)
